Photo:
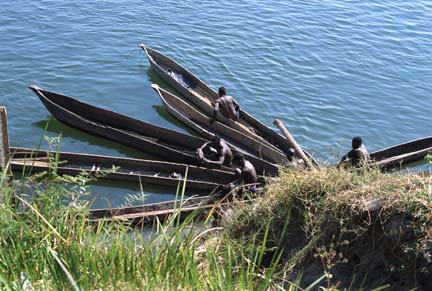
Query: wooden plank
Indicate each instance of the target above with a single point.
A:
(4, 138)
(297, 148)
(5, 154)
(32, 162)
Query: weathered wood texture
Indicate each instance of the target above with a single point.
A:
(298, 150)
(4, 138)
(202, 96)
(162, 142)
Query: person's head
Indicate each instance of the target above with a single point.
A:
(215, 141)
(290, 154)
(238, 160)
(222, 91)
(356, 142)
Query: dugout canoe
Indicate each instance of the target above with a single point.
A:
(200, 123)
(201, 95)
(146, 214)
(402, 154)
(164, 143)
(123, 169)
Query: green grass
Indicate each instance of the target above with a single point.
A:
(304, 218)
(339, 220)
(46, 243)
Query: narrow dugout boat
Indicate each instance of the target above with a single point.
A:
(201, 95)
(164, 143)
(402, 154)
(123, 169)
(149, 213)
(199, 122)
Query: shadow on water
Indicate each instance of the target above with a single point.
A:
(56, 127)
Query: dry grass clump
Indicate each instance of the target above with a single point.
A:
(341, 218)
(338, 193)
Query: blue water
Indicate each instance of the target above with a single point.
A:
(329, 69)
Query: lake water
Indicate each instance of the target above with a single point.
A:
(329, 69)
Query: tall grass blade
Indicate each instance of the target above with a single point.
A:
(65, 270)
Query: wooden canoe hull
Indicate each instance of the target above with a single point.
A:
(199, 122)
(150, 213)
(200, 94)
(116, 127)
(131, 170)
(402, 154)
(165, 143)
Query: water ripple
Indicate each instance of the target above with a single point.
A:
(329, 70)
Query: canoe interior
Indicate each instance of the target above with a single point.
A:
(126, 166)
(151, 208)
(143, 215)
(202, 96)
(185, 78)
(199, 122)
(189, 84)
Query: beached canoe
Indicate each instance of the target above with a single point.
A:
(123, 169)
(149, 213)
(402, 154)
(164, 143)
(199, 122)
(201, 95)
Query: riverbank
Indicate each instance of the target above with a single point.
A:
(323, 227)
(362, 229)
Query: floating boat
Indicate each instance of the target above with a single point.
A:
(164, 143)
(200, 123)
(201, 95)
(149, 213)
(123, 169)
(402, 154)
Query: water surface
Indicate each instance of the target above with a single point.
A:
(329, 69)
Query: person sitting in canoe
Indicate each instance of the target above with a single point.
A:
(215, 152)
(357, 155)
(226, 105)
(245, 172)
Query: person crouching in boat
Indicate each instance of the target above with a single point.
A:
(358, 155)
(226, 105)
(215, 152)
(245, 173)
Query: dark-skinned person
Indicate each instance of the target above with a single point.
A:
(357, 156)
(245, 175)
(226, 105)
(245, 172)
(215, 152)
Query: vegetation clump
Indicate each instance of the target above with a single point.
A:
(360, 228)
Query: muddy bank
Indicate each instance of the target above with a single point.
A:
(361, 230)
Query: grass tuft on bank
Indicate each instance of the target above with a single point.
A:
(362, 229)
